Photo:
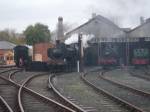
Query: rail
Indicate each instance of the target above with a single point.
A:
(77, 108)
(5, 104)
(20, 87)
(117, 99)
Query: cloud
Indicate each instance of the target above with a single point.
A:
(19, 14)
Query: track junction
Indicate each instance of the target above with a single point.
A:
(115, 90)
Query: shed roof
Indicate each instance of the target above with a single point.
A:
(6, 45)
(145, 23)
(99, 18)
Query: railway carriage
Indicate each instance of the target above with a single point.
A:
(21, 56)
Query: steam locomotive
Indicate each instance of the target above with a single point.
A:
(61, 58)
(122, 51)
(111, 52)
(139, 52)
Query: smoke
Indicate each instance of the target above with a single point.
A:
(126, 13)
(86, 38)
(74, 39)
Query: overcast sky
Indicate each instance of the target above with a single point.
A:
(18, 14)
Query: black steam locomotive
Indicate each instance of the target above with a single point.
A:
(61, 58)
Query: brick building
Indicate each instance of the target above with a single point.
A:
(6, 52)
(40, 51)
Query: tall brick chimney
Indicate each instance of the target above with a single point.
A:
(60, 31)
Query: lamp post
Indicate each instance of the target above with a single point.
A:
(127, 51)
(81, 54)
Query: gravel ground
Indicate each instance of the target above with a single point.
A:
(2, 69)
(71, 86)
(147, 71)
(124, 77)
(9, 94)
(141, 73)
(122, 93)
(32, 104)
(40, 85)
(19, 77)
(1, 108)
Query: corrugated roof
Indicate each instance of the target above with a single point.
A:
(6, 45)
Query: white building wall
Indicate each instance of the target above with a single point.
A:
(100, 29)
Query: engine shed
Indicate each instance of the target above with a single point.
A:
(108, 35)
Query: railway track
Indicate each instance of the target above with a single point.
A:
(143, 75)
(7, 66)
(42, 88)
(24, 102)
(98, 101)
(34, 96)
(142, 92)
(7, 91)
(131, 98)
(4, 106)
(51, 85)
(125, 78)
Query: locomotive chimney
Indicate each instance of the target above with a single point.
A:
(60, 32)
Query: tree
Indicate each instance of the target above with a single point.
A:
(4, 35)
(11, 36)
(37, 33)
